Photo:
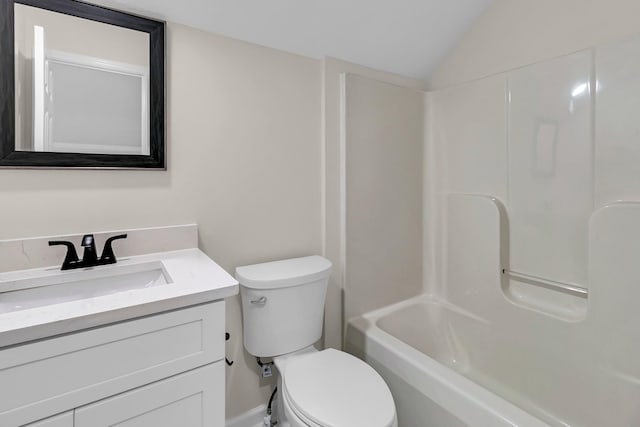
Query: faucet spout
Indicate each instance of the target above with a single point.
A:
(89, 257)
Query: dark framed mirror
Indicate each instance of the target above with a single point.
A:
(81, 86)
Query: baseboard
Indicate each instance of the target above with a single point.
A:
(251, 418)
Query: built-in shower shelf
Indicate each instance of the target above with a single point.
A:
(569, 288)
(478, 252)
(564, 301)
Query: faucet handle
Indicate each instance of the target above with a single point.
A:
(108, 257)
(71, 257)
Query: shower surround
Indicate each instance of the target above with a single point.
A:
(532, 218)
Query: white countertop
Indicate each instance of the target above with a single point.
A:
(196, 279)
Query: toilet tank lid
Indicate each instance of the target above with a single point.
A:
(284, 273)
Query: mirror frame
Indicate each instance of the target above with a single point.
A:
(10, 158)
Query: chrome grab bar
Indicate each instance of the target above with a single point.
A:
(259, 301)
(549, 284)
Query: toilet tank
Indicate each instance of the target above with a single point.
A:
(283, 304)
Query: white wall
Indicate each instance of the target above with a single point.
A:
(511, 34)
(558, 219)
(244, 162)
(488, 136)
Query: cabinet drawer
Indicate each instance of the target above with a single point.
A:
(62, 373)
(62, 420)
(192, 399)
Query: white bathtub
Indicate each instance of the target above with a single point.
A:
(414, 346)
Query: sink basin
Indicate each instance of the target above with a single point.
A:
(59, 287)
(39, 303)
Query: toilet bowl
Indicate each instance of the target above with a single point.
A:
(333, 388)
(282, 311)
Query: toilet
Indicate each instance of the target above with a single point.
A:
(283, 311)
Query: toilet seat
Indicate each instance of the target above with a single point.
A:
(331, 388)
(294, 416)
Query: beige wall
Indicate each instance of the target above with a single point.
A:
(513, 33)
(383, 146)
(80, 36)
(334, 171)
(67, 34)
(244, 162)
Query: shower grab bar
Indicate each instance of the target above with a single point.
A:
(569, 288)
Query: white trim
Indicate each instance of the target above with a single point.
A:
(73, 147)
(39, 119)
(146, 121)
(251, 418)
(92, 63)
(99, 64)
(343, 202)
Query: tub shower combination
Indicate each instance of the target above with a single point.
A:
(532, 319)
(498, 356)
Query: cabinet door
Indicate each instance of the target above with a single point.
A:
(62, 420)
(192, 399)
(54, 375)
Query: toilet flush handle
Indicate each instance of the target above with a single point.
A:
(259, 301)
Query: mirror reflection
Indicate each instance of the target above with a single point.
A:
(81, 86)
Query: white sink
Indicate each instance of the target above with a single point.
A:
(44, 302)
(59, 287)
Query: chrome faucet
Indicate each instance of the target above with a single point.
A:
(90, 256)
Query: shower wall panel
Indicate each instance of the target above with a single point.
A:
(550, 168)
(554, 142)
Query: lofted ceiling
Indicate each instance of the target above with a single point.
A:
(408, 37)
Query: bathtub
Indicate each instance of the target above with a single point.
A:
(417, 348)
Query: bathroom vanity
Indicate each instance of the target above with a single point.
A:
(168, 366)
(144, 348)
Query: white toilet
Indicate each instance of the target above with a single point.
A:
(282, 310)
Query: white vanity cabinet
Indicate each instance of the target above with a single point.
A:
(192, 399)
(160, 370)
(62, 420)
